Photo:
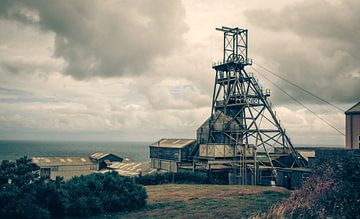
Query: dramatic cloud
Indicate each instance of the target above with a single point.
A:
(315, 44)
(67, 67)
(104, 38)
(70, 107)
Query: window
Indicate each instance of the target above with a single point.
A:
(45, 172)
(93, 167)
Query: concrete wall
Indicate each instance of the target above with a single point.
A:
(352, 131)
(321, 154)
(68, 171)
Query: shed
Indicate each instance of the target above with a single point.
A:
(66, 167)
(166, 153)
(291, 178)
(104, 159)
(353, 127)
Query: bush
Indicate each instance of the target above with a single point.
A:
(109, 192)
(24, 195)
(186, 177)
(154, 179)
(19, 190)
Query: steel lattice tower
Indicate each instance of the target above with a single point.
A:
(238, 96)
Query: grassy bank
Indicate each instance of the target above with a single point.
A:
(206, 201)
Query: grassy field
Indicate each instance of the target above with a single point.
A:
(206, 201)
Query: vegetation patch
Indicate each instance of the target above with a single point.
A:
(179, 177)
(332, 191)
(24, 195)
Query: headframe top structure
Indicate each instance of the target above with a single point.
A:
(235, 45)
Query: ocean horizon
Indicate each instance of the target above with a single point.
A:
(137, 151)
(14, 149)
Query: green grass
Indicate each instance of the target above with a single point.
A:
(206, 201)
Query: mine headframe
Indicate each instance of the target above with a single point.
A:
(241, 114)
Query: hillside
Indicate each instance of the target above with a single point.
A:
(206, 201)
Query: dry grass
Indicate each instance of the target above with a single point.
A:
(206, 201)
(189, 192)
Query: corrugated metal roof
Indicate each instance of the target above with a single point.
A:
(98, 155)
(172, 143)
(61, 161)
(130, 168)
(354, 109)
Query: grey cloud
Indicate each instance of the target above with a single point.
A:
(104, 38)
(316, 44)
(172, 93)
(17, 65)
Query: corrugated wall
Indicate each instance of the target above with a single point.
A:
(352, 131)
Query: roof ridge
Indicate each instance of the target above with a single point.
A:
(351, 110)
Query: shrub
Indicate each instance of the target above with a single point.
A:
(188, 177)
(19, 189)
(179, 177)
(154, 179)
(109, 192)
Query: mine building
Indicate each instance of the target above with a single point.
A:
(104, 159)
(353, 127)
(221, 149)
(66, 167)
(166, 153)
(243, 138)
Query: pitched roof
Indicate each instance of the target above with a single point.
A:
(61, 161)
(172, 143)
(98, 155)
(354, 110)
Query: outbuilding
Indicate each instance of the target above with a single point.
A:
(166, 153)
(353, 127)
(66, 167)
(104, 159)
(291, 178)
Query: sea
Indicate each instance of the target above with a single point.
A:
(136, 151)
(12, 150)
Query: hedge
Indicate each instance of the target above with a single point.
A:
(180, 178)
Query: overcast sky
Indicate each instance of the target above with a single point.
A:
(141, 70)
